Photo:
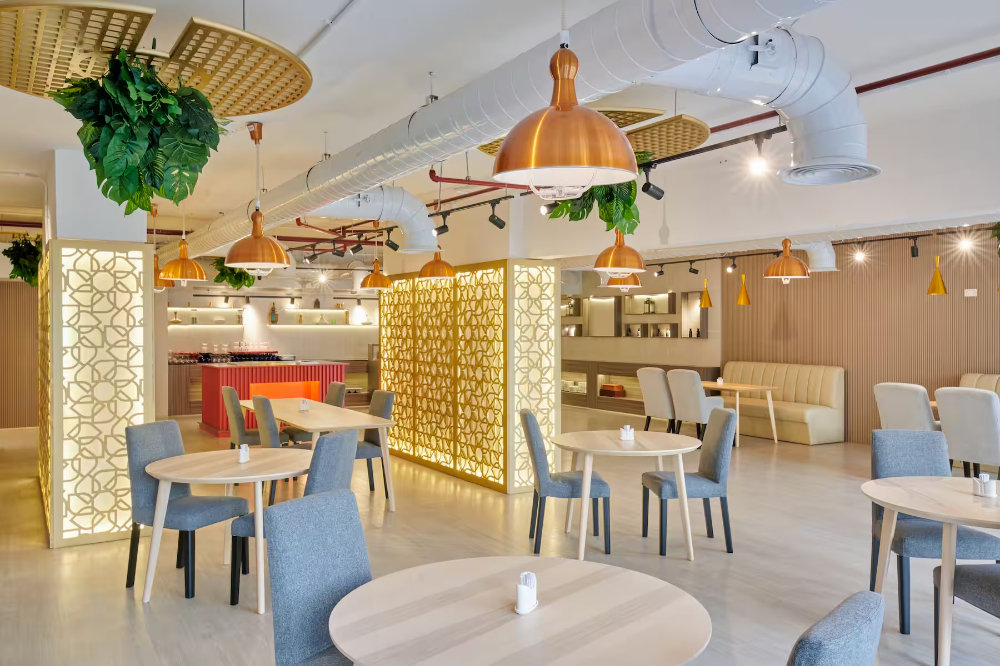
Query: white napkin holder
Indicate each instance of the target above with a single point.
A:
(244, 453)
(627, 433)
(983, 487)
(527, 594)
(304, 405)
(719, 381)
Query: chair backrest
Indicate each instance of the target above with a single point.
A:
(267, 426)
(909, 453)
(332, 462)
(145, 444)
(237, 424)
(810, 384)
(687, 394)
(316, 555)
(717, 446)
(536, 447)
(335, 394)
(904, 407)
(848, 636)
(655, 393)
(380, 406)
(970, 419)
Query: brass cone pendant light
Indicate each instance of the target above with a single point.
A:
(376, 280)
(706, 301)
(744, 297)
(436, 269)
(183, 268)
(257, 251)
(786, 267)
(624, 283)
(937, 287)
(619, 260)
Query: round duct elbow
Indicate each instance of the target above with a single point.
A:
(821, 255)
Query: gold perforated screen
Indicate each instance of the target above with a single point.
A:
(671, 136)
(45, 388)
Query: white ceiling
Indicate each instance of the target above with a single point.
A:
(371, 70)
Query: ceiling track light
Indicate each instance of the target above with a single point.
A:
(658, 272)
(494, 220)
(389, 243)
(914, 250)
(357, 249)
(548, 208)
(443, 229)
(692, 269)
(338, 253)
(731, 267)
(650, 189)
(860, 255)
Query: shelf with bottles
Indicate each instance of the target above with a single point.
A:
(311, 318)
(570, 307)
(645, 305)
(177, 308)
(651, 330)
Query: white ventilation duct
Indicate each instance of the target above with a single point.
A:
(388, 204)
(623, 44)
(822, 257)
(792, 74)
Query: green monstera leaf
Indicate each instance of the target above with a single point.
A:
(615, 203)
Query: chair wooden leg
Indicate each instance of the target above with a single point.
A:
(133, 554)
(874, 564)
(725, 523)
(246, 555)
(648, 419)
(189, 565)
(274, 487)
(371, 476)
(645, 511)
(937, 619)
(594, 511)
(708, 518)
(541, 522)
(607, 525)
(903, 574)
(663, 528)
(966, 469)
(385, 486)
(234, 571)
(181, 543)
(534, 514)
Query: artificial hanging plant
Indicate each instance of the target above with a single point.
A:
(24, 255)
(996, 234)
(237, 278)
(615, 203)
(141, 137)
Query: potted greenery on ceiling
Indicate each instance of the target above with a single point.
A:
(237, 278)
(615, 203)
(141, 137)
(24, 255)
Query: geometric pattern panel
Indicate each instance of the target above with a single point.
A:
(103, 376)
(534, 362)
(45, 388)
(396, 359)
(434, 362)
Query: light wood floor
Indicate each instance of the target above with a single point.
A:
(800, 531)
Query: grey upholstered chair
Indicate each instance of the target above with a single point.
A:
(270, 436)
(335, 395)
(369, 447)
(331, 468)
(145, 444)
(656, 399)
(917, 453)
(848, 636)
(976, 584)
(316, 554)
(566, 485)
(690, 402)
(711, 480)
(238, 433)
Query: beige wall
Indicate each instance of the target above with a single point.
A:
(19, 359)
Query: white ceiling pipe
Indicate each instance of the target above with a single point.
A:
(822, 257)
(388, 204)
(621, 45)
(790, 73)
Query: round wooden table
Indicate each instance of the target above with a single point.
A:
(946, 499)
(462, 613)
(222, 467)
(590, 443)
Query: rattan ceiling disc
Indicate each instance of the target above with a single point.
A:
(671, 136)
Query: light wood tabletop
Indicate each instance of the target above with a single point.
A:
(321, 417)
(946, 499)
(462, 613)
(222, 467)
(737, 388)
(588, 443)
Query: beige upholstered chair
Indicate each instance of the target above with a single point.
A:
(656, 396)
(690, 402)
(970, 419)
(904, 407)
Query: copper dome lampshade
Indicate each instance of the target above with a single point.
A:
(619, 260)
(562, 150)
(786, 267)
(376, 280)
(183, 268)
(257, 250)
(624, 283)
(436, 269)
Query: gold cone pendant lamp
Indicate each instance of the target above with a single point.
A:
(562, 150)
(436, 269)
(183, 268)
(376, 280)
(706, 301)
(619, 260)
(937, 287)
(744, 297)
(624, 283)
(786, 266)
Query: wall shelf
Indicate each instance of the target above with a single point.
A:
(171, 308)
(323, 325)
(183, 325)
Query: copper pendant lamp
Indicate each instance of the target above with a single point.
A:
(619, 260)
(562, 150)
(376, 280)
(786, 266)
(183, 268)
(706, 300)
(937, 287)
(624, 283)
(257, 251)
(436, 269)
(744, 297)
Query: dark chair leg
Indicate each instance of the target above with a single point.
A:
(670, 425)
(677, 426)
(274, 487)
(534, 514)
(648, 419)
(385, 486)
(663, 528)
(966, 469)
(232, 445)
(607, 525)
(708, 518)
(189, 566)
(371, 476)
(133, 555)
(937, 618)
(903, 573)
(976, 470)
(874, 565)
(541, 522)
(645, 511)
(951, 462)
(246, 554)
(234, 571)
(594, 508)
(697, 430)
(725, 523)
(181, 536)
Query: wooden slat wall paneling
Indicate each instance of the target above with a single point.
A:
(873, 318)
(19, 359)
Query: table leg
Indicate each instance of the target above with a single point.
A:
(685, 516)
(159, 514)
(738, 418)
(659, 463)
(315, 439)
(383, 438)
(258, 542)
(948, 544)
(227, 533)
(884, 547)
(588, 469)
(569, 502)
(770, 410)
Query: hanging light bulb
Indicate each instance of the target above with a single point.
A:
(183, 268)
(786, 267)
(257, 251)
(436, 269)
(619, 260)
(624, 283)
(937, 287)
(706, 301)
(744, 297)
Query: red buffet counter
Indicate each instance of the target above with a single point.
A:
(240, 375)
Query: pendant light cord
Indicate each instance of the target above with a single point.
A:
(563, 30)
(257, 171)
(183, 223)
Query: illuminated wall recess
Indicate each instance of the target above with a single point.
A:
(462, 356)
(99, 365)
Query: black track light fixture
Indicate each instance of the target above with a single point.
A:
(731, 267)
(650, 189)
(389, 243)
(692, 269)
(546, 209)
(357, 249)
(914, 250)
(338, 253)
(494, 220)
(443, 229)
(659, 271)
